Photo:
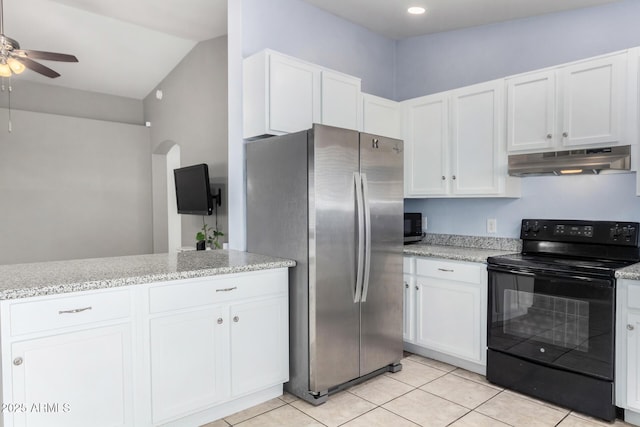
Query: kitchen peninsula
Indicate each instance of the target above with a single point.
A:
(162, 339)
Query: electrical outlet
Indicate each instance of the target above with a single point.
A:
(424, 223)
(492, 225)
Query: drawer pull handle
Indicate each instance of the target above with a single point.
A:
(75, 310)
(226, 289)
(446, 270)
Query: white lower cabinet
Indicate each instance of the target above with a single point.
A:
(74, 379)
(627, 372)
(177, 353)
(448, 312)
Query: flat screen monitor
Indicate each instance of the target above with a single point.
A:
(193, 192)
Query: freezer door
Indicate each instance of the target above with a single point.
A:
(334, 316)
(381, 167)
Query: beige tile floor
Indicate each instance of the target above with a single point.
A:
(425, 393)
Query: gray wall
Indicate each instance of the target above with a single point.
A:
(193, 114)
(443, 61)
(43, 98)
(72, 188)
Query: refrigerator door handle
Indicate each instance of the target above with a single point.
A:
(361, 242)
(367, 234)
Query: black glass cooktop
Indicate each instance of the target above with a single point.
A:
(560, 264)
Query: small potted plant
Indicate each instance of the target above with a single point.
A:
(208, 236)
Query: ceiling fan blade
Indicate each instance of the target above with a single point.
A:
(49, 56)
(38, 68)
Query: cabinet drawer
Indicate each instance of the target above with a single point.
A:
(45, 315)
(633, 296)
(207, 291)
(461, 272)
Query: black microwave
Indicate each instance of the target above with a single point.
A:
(412, 227)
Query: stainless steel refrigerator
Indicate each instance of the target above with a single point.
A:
(332, 200)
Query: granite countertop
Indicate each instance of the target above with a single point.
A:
(632, 272)
(458, 253)
(463, 248)
(57, 277)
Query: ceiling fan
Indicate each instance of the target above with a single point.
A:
(14, 60)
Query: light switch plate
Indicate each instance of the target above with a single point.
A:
(492, 225)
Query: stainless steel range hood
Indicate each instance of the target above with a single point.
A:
(589, 161)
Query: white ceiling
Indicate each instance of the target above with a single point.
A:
(126, 47)
(390, 17)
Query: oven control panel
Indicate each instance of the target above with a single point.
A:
(599, 232)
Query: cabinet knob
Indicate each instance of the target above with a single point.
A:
(453, 177)
(549, 136)
(17, 361)
(406, 285)
(565, 134)
(630, 327)
(444, 177)
(417, 288)
(236, 319)
(219, 320)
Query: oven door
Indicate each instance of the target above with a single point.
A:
(553, 318)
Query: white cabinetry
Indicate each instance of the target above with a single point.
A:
(578, 105)
(450, 312)
(454, 144)
(213, 340)
(408, 305)
(381, 116)
(67, 361)
(282, 94)
(177, 353)
(627, 372)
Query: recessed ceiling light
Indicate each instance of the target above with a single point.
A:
(416, 10)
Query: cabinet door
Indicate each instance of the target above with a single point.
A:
(477, 139)
(381, 116)
(448, 317)
(188, 359)
(633, 362)
(408, 323)
(593, 101)
(294, 98)
(426, 146)
(531, 112)
(259, 345)
(340, 100)
(74, 379)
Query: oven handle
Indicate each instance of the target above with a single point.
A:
(599, 282)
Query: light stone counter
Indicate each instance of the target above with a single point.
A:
(57, 277)
(632, 272)
(463, 248)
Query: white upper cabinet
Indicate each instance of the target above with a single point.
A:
(426, 145)
(282, 94)
(340, 100)
(381, 116)
(477, 156)
(454, 144)
(575, 106)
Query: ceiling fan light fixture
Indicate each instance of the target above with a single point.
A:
(16, 66)
(5, 71)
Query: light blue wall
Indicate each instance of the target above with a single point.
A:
(298, 29)
(444, 61)
(591, 197)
